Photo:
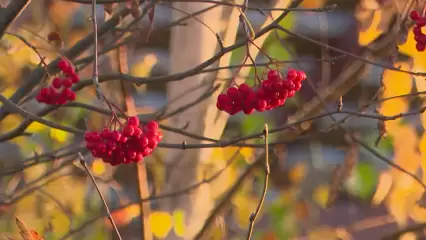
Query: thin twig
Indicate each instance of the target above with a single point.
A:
(95, 73)
(254, 215)
(83, 163)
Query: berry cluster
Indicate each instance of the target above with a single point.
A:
(130, 144)
(419, 36)
(60, 91)
(271, 93)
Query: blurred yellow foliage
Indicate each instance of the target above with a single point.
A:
(143, 68)
(320, 194)
(404, 191)
(383, 187)
(297, 173)
(59, 135)
(179, 222)
(244, 205)
(35, 127)
(98, 167)
(161, 223)
(370, 34)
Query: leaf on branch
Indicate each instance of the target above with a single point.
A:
(383, 188)
(341, 173)
(55, 40)
(25, 232)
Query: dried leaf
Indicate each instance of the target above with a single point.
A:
(55, 40)
(25, 232)
(341, 173)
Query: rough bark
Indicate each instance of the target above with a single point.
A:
(190, 45)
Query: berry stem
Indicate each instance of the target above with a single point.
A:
(108, 212)
(95, 74)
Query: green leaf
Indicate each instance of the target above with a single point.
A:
(363, 180)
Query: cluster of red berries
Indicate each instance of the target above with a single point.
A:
(130, 144)
(271, 93)
(419, 36)
(60, 91)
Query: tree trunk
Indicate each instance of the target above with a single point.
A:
(190, 46)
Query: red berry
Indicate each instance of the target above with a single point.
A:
(63, 64)
(291, 74)
(297, 86)
(116, 135)
(69, 71)
(39, 97)
(152, 125)
(421, 22)
(417, 30)
(232, 93)
(146, 152)
(128, 131)
(243, 88)
(159, 137)
(57, 82)
(138, 132)
(152, 143)
(248, 110)
(266, 85)
(414, 15)
(68, 94)
(67, 83)
(300, 76)
(74, 77)
(420, 47)
(261, 93)
(138, 158)
(133, 121)
(261, 105)
(143, 141)
(273, 75)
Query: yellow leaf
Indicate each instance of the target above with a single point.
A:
(59, 135)
(320, 195)
(247, 153)
(161, 223)
(144, 67)
(98, 167)
(383, 187)
(10, 122)
(60, 221)
(179, 222)
(408, 236)
(418, 213)
(36, 127)
(243, 207)
(369, 35)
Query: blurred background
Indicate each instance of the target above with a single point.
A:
(55, 197)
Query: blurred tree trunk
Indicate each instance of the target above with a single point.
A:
(190, 45)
